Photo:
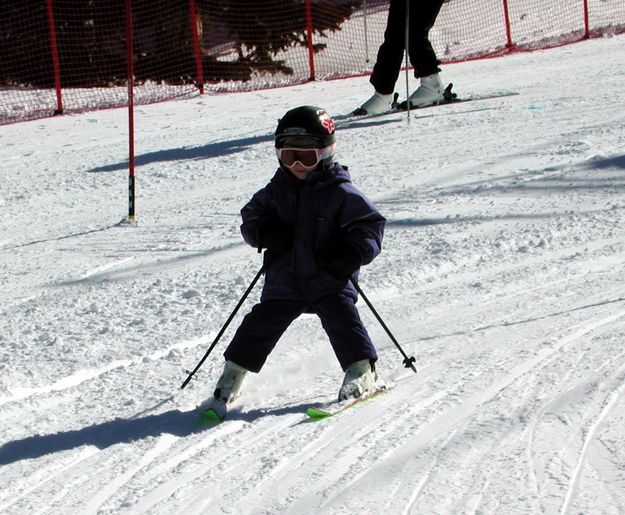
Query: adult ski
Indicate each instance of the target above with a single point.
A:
(334, 408)
(450, 97)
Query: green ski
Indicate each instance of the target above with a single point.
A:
(319, 413)
(210, 415)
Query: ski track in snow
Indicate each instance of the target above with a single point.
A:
(442, 425)
(502, 273)
(163, 443)
(82, 376)
(614, 398)
(38, 482)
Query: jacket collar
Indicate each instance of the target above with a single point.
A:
(317, 179)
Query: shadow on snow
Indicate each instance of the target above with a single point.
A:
(120, 431)
(213, 149)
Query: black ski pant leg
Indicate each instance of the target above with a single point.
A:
(260, 330)
(423, 59)
(348, 336)
(391, 51)
(423, 15)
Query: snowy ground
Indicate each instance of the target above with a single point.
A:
(502, 273)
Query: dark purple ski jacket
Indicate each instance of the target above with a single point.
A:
(324, 210)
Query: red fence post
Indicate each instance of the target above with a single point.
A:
(309, 33)
(586, 21)
(55, 58)
(131, 118)
(506, 15)
(196, 46)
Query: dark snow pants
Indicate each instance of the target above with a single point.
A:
(263, 326)
(423, 59)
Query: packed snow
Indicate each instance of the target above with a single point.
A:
(502, 273)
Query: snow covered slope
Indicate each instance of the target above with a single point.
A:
(502, 273)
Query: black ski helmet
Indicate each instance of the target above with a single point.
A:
(305, 127)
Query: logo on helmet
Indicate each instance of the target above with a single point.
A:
(327, 122)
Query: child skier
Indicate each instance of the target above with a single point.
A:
(317, 229)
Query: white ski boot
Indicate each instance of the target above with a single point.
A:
(377, 104)
(430, 92)
(360, 377)
(227, 389)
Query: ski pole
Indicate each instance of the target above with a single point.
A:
(406, 52)
(223, 329)
(366, 32)
(408, 361)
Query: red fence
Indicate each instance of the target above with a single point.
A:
(71, 55)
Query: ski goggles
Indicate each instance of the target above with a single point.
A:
(309, 157)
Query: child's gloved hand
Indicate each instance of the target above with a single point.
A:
(341, 262)
(276, 236)
(268, 257)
